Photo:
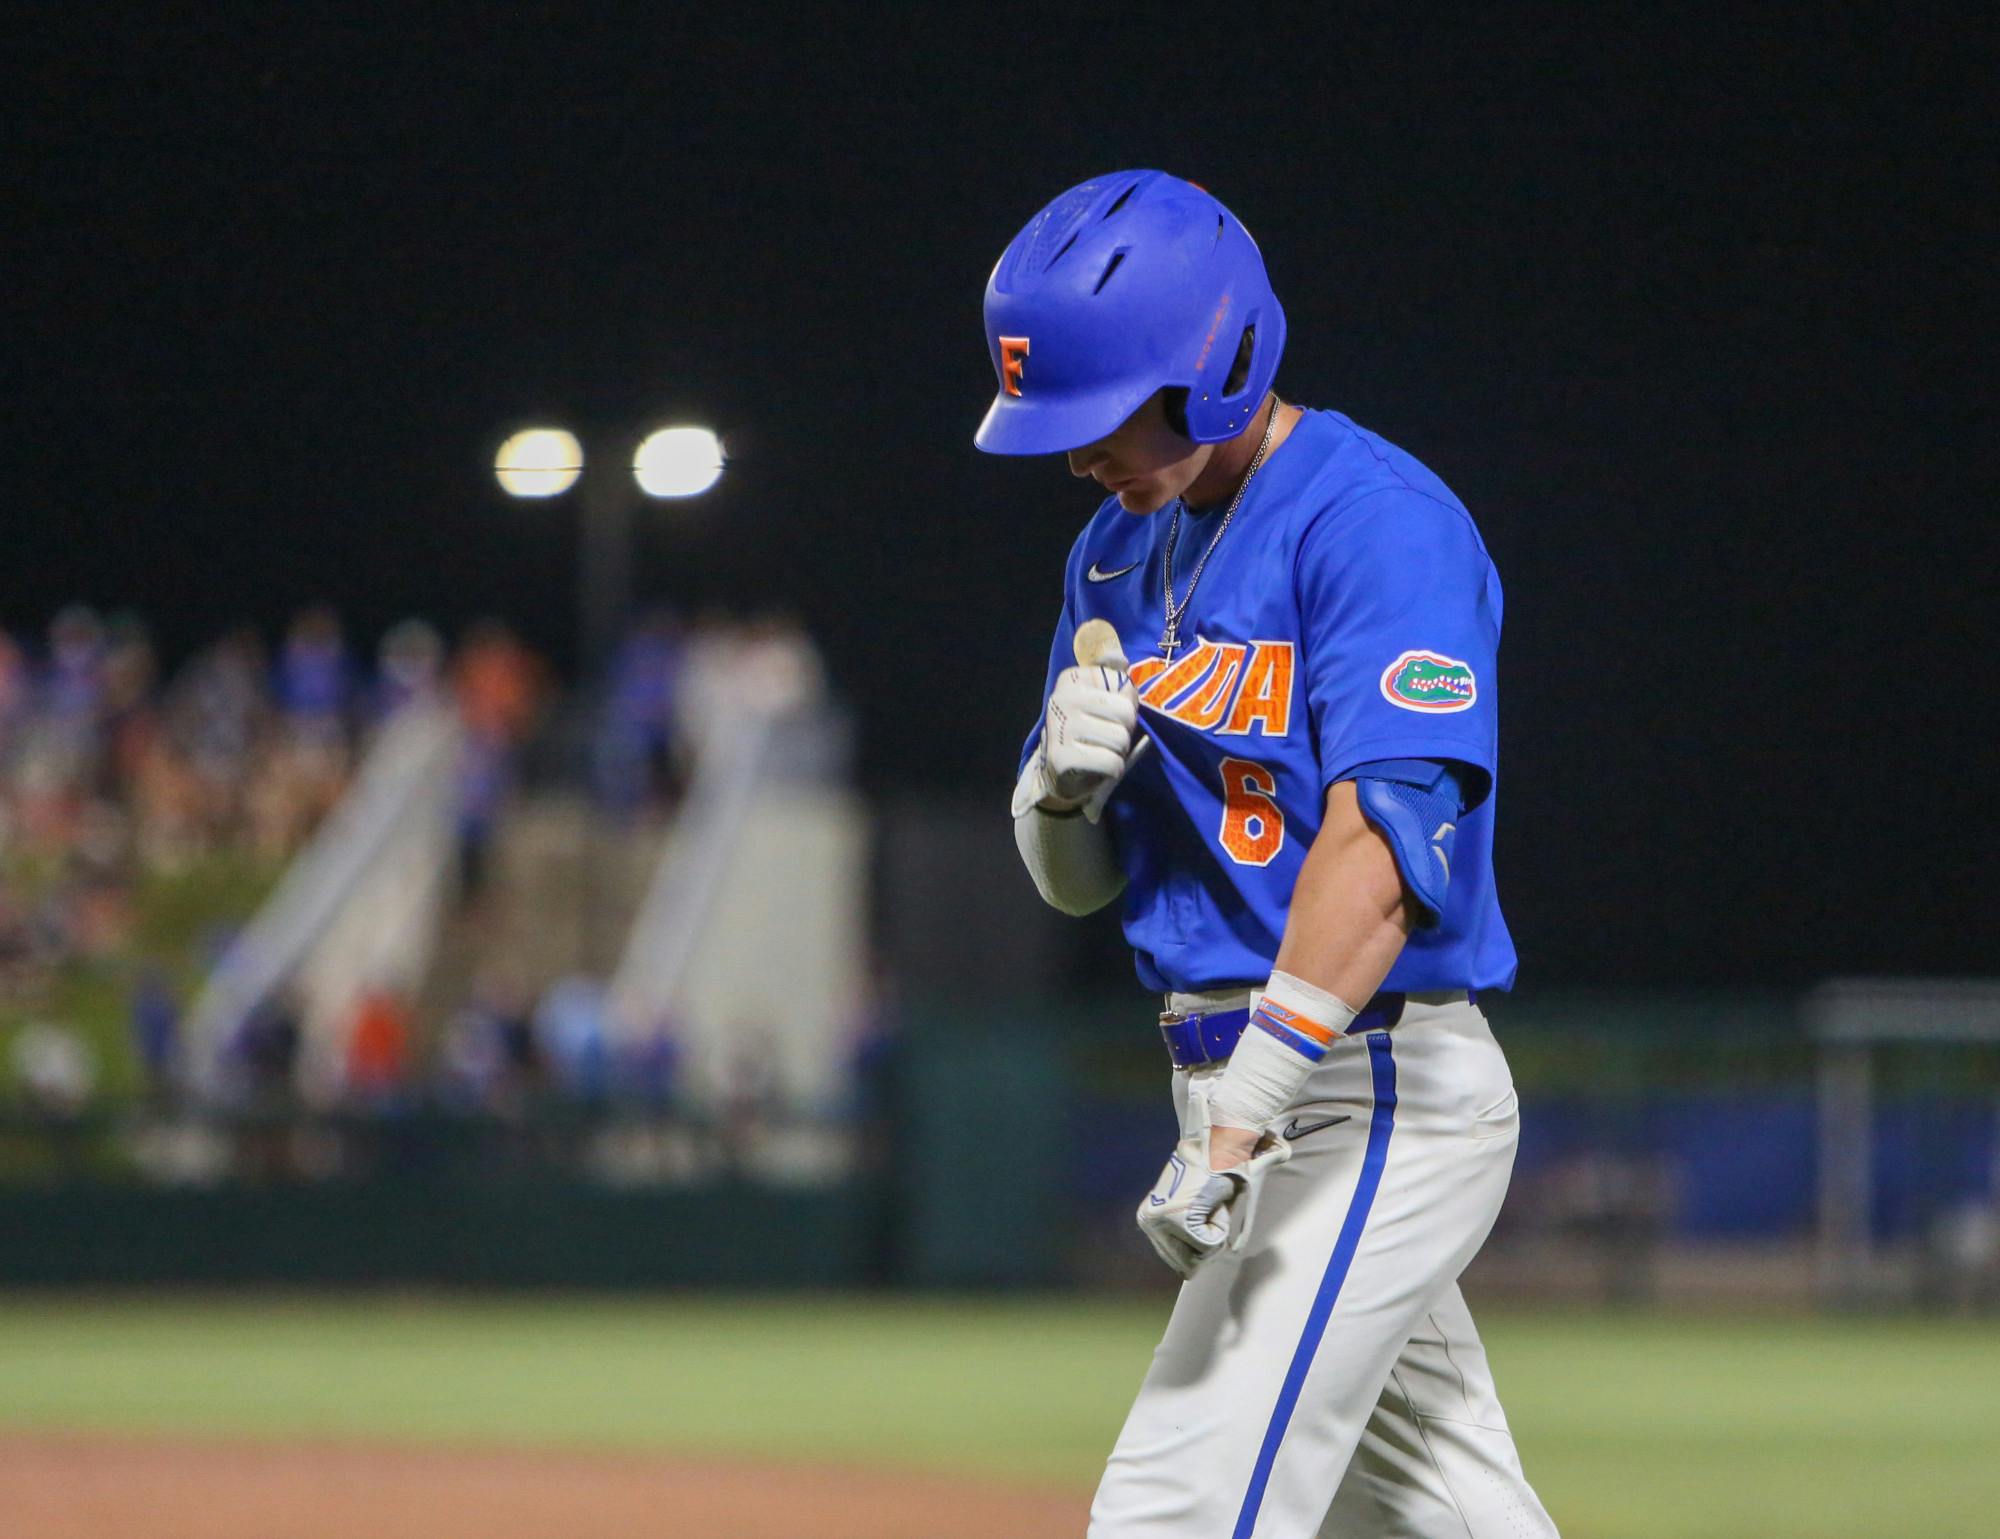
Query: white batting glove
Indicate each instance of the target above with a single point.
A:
(1088, 732)
(1192, 1211)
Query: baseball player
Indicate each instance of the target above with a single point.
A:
(1269, 725)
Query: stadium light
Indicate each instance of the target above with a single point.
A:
(546, 462)
(539, 462)
(678, 462)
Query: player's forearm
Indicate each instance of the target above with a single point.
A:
(1347, 924)
(1349, 913)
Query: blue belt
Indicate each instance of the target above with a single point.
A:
(1193, 1040)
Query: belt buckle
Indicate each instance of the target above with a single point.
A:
(1170, 1020)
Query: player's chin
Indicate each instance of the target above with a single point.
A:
(1142, 497)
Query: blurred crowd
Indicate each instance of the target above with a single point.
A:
(672, 686)
(115, 773)
(110, 771)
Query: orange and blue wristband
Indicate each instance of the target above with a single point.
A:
(1303, 1035)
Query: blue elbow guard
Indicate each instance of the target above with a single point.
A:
(1416, 804)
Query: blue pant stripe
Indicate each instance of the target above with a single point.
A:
(1382, 1063)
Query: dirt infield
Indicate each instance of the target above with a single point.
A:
(99, 1487)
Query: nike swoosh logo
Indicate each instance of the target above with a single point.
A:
(1098, 574)
(1296, 1129)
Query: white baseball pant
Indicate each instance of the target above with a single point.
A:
(1327, 1380)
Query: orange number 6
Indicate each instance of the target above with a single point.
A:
(1253, 829)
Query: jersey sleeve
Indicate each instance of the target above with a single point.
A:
(1399, 615)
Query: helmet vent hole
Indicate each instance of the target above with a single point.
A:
(1057, 227)
(1119, 202)
(1063, 250)
(1110, 267)
(1239, 371)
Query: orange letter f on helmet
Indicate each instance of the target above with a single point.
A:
(1012, 351)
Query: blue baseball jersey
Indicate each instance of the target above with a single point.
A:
(1350, 614)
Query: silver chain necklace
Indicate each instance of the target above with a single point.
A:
(1170, 637)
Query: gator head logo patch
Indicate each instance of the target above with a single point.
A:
(1429, 681)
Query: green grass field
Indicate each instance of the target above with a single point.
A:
(1632, 1427)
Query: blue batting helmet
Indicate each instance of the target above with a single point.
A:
(1123, 285)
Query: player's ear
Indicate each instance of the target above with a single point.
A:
(1174, 401)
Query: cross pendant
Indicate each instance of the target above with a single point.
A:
(1169, 644)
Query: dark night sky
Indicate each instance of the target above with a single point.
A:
(1694, 319)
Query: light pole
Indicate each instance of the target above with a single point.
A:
(669, 462)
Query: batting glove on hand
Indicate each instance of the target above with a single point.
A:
(1087, 740)
(1193, 1211)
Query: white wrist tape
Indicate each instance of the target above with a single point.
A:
(1289, 1031)
(1036, 787)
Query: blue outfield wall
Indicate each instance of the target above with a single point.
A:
(1746, 1164)
(1737, 1164)
(1933, 1152)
